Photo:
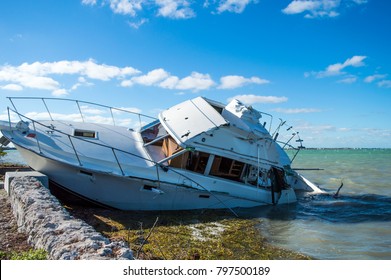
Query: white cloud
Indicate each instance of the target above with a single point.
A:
(234, 81)
(130, 109)
(182, 9)
(126, 7)
(348, 80)
(196, 81)
(59, 92)
(336, 69)
(252, 99)
(81, 82)
(315, 129)
(153, 77)
(86, 109)
(161, 78)
(355, 61)
(13, 87)
(384, 83)
(170, 82)
(297, 7)
(88, 2)
(49, 76)
(96, 118)
(175, 9)
(297, 110)
(87, 68)
(313, 8)
(138, 24)
(370, 79)
(233, 6)
(127, 83)
(91, 110)
(359, 2)
(318, 8)
(105, 72)
(37, 82)
(38, 75)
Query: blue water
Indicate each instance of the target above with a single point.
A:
(356, 225)
(12, 156)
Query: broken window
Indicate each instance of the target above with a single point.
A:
(197, 162)
(151, 131)
(227, 168)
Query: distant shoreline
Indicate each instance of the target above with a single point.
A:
(7, 148)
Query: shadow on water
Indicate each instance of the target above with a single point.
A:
(344, 209)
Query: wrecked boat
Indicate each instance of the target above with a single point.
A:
(199, 154)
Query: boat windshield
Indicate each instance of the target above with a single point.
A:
(158, 142)
(152, 131)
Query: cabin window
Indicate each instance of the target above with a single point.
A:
(221, 167)
(163, 147)
(85, 133)
(197, 162)
(227, 168)
(193, 161)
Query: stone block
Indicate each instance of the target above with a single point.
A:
(9, 176)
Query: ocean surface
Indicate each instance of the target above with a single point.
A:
(12, 156)
(356, 225)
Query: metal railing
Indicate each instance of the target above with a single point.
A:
(72, 139)
(295, 136)
(78, 103)
(159, 166)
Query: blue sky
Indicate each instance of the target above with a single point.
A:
(322, 65)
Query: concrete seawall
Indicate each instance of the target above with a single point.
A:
(49, 226)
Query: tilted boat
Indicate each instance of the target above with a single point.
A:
(195, 155)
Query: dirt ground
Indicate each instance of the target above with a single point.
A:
(11, 240)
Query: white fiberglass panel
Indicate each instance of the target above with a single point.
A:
(190, 118)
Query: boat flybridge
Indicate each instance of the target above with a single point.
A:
(197, 154)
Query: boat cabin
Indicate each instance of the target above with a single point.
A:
(164, 150)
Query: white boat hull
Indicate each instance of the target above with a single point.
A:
(128, 193)
(198, 154)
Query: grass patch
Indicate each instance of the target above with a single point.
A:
(31, 254)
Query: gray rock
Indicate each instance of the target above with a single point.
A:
(51, 227)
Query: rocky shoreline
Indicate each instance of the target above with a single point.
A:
(49, 226)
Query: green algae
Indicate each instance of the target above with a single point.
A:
(184, 235)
